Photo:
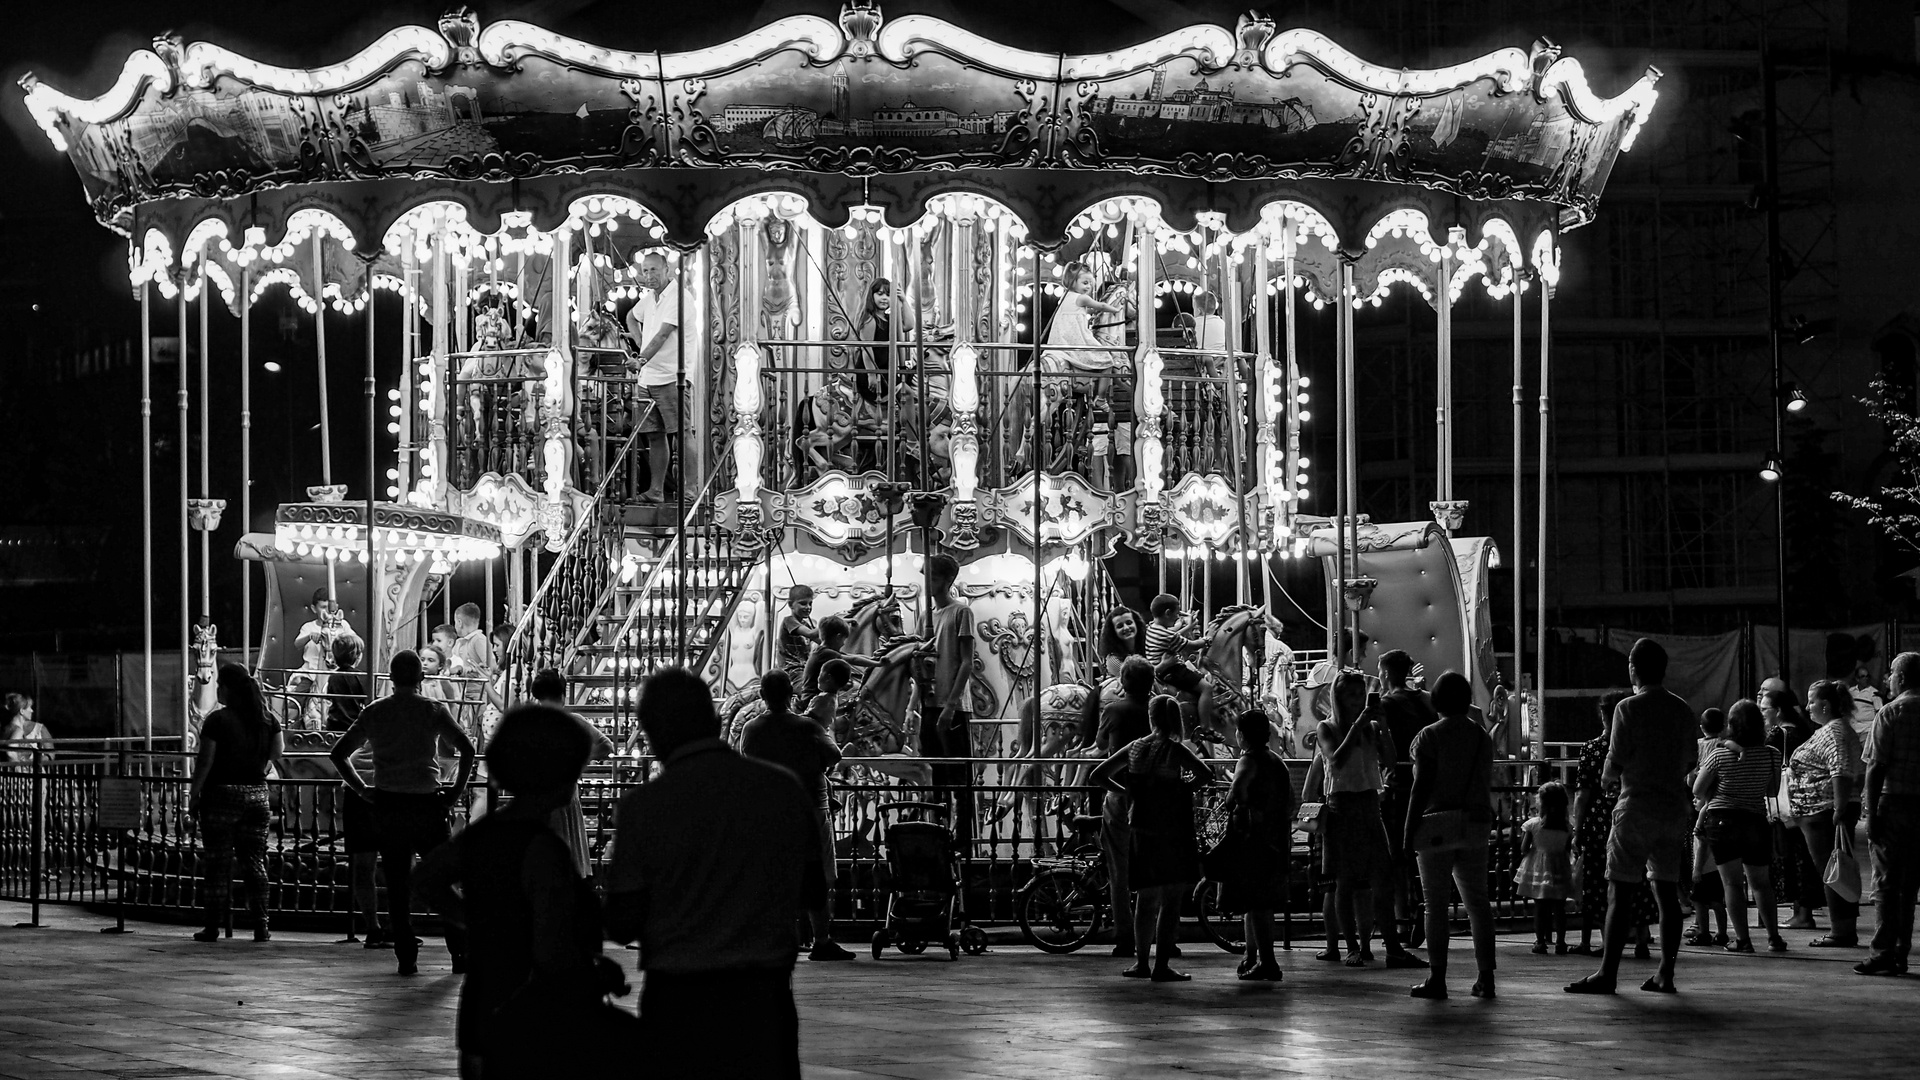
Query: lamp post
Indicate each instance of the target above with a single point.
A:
(1775, 256)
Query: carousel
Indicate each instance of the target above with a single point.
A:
(694, 351)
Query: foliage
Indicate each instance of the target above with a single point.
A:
(1895, 508)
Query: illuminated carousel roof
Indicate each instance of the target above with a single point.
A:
(869, 112)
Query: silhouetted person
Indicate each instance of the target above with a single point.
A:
(1651, 753)
(411, 805)
(714, 860)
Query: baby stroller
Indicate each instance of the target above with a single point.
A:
(923, 887)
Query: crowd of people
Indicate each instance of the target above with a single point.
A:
(722, 862)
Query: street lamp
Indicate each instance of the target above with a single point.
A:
(1770, 470)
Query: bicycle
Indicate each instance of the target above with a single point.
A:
(1067, 902)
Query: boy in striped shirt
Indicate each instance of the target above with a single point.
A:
(1166, 638)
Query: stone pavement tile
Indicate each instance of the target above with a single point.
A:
(82, 1006)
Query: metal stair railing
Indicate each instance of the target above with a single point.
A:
(571, 594)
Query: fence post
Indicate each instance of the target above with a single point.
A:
(120, 887)
(36, 832)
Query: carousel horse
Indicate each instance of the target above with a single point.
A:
(873, 620)
(877, 722)
(824, 425)
(1235, 636)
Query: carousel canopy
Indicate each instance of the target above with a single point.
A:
(517, 124)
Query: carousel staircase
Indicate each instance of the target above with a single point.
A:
(632, 591)
(669, 605)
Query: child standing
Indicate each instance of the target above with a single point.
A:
(1546, 872)
(1708, 894)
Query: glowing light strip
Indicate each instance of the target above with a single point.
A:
(1213, 46)
(1510, 69)
(1546, 257)
(1567, 80)
(152, 260)
(47, 104)
(810, 34)
(909, 36)
(203, 63)
(1406, 222)
(205, 231)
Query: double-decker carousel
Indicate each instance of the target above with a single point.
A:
(684, 345)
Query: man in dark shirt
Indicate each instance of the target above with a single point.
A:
(803, 748)
(1892, 804)
(411, 805)
(1408, 711)
(713, 861)
(1121, 722)
(1651, 753)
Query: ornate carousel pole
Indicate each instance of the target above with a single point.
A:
(1546, 258)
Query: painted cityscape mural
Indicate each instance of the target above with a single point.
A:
(844, 107)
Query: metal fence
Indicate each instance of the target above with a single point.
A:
(54, 850)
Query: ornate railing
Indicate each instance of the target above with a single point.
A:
(575, 585)
(54, 848)
(676, 612)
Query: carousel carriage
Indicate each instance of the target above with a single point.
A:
(474, 196)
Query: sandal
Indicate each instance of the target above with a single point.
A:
(1331, 956)
(1831, 942)
(1744, 945)
(1357, 960)
(1697, 935)
(1776, 943)
(1539, 948)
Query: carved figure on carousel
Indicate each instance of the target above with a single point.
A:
(779, 306)
(206, 657)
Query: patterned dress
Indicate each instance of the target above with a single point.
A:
(1595, 824)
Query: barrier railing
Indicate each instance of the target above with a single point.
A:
(53, 850)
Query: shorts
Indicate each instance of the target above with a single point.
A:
(1644, 846)
(664, 416)
(1737, 836)
(359, 829)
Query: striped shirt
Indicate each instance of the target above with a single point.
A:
(1744, 777)
(1162, 642)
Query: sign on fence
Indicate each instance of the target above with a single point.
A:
(119, 803)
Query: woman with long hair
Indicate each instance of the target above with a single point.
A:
(883, 305)
(1160, 775)
(1123, 633)
(228, 796)
(1734, 783)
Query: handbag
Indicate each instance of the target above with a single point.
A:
(1222, 861)
(1843, 876)
(1309, 817)
(1780, 803)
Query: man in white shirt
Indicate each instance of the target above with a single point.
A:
(654, 324)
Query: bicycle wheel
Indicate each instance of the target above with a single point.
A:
(1057, 913)
(1226, 931)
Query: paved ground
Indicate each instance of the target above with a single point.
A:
(79, 1005)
